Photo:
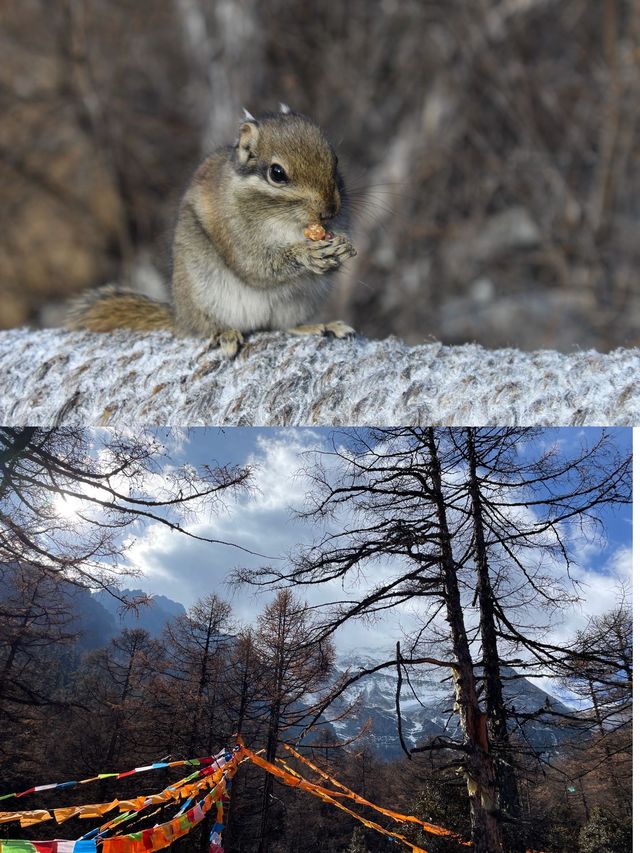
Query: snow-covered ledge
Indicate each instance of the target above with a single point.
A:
(57, 377)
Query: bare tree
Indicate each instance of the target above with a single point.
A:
(245, 707)
(394, 486)
(476, 526)
(36, 631)
(69, 496)
(600, 671)
(115, 689)
(198, 647)
(293, 668)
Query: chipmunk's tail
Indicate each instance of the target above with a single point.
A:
(108, 308)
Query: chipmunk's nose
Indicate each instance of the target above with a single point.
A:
(328, 204)
(329, 211)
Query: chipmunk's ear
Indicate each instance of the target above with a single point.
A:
(285, 108)
(248, 138)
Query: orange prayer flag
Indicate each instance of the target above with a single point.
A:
(432, 828)
(31, 818)
(297, 781)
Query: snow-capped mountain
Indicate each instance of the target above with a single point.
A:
(426, 704)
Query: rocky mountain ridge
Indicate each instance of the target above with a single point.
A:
(426, 705)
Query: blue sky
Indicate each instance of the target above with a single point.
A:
(263, 522)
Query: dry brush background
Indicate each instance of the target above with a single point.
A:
(491, 148)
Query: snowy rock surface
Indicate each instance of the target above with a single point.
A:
(426, 706)
(58, 377)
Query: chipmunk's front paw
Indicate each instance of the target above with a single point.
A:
(229, 341)
(326, 255)
(337, 328)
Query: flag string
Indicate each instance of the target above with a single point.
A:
(158, 765)
(213, 777)
(217, 779)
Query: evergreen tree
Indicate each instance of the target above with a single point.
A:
(605, 834)
(357, 843)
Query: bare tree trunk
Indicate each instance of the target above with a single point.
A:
(509, 798)
(481, 783)
(274, 726)
(226, 48)
(270, 754)
(117, 724)
(243, 705)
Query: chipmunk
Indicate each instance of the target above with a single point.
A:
(241, 261)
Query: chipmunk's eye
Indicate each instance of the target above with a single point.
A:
(277, 174)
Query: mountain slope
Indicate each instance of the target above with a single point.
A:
(151, 617)
(426, 706)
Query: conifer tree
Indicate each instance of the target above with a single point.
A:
(292, 669)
